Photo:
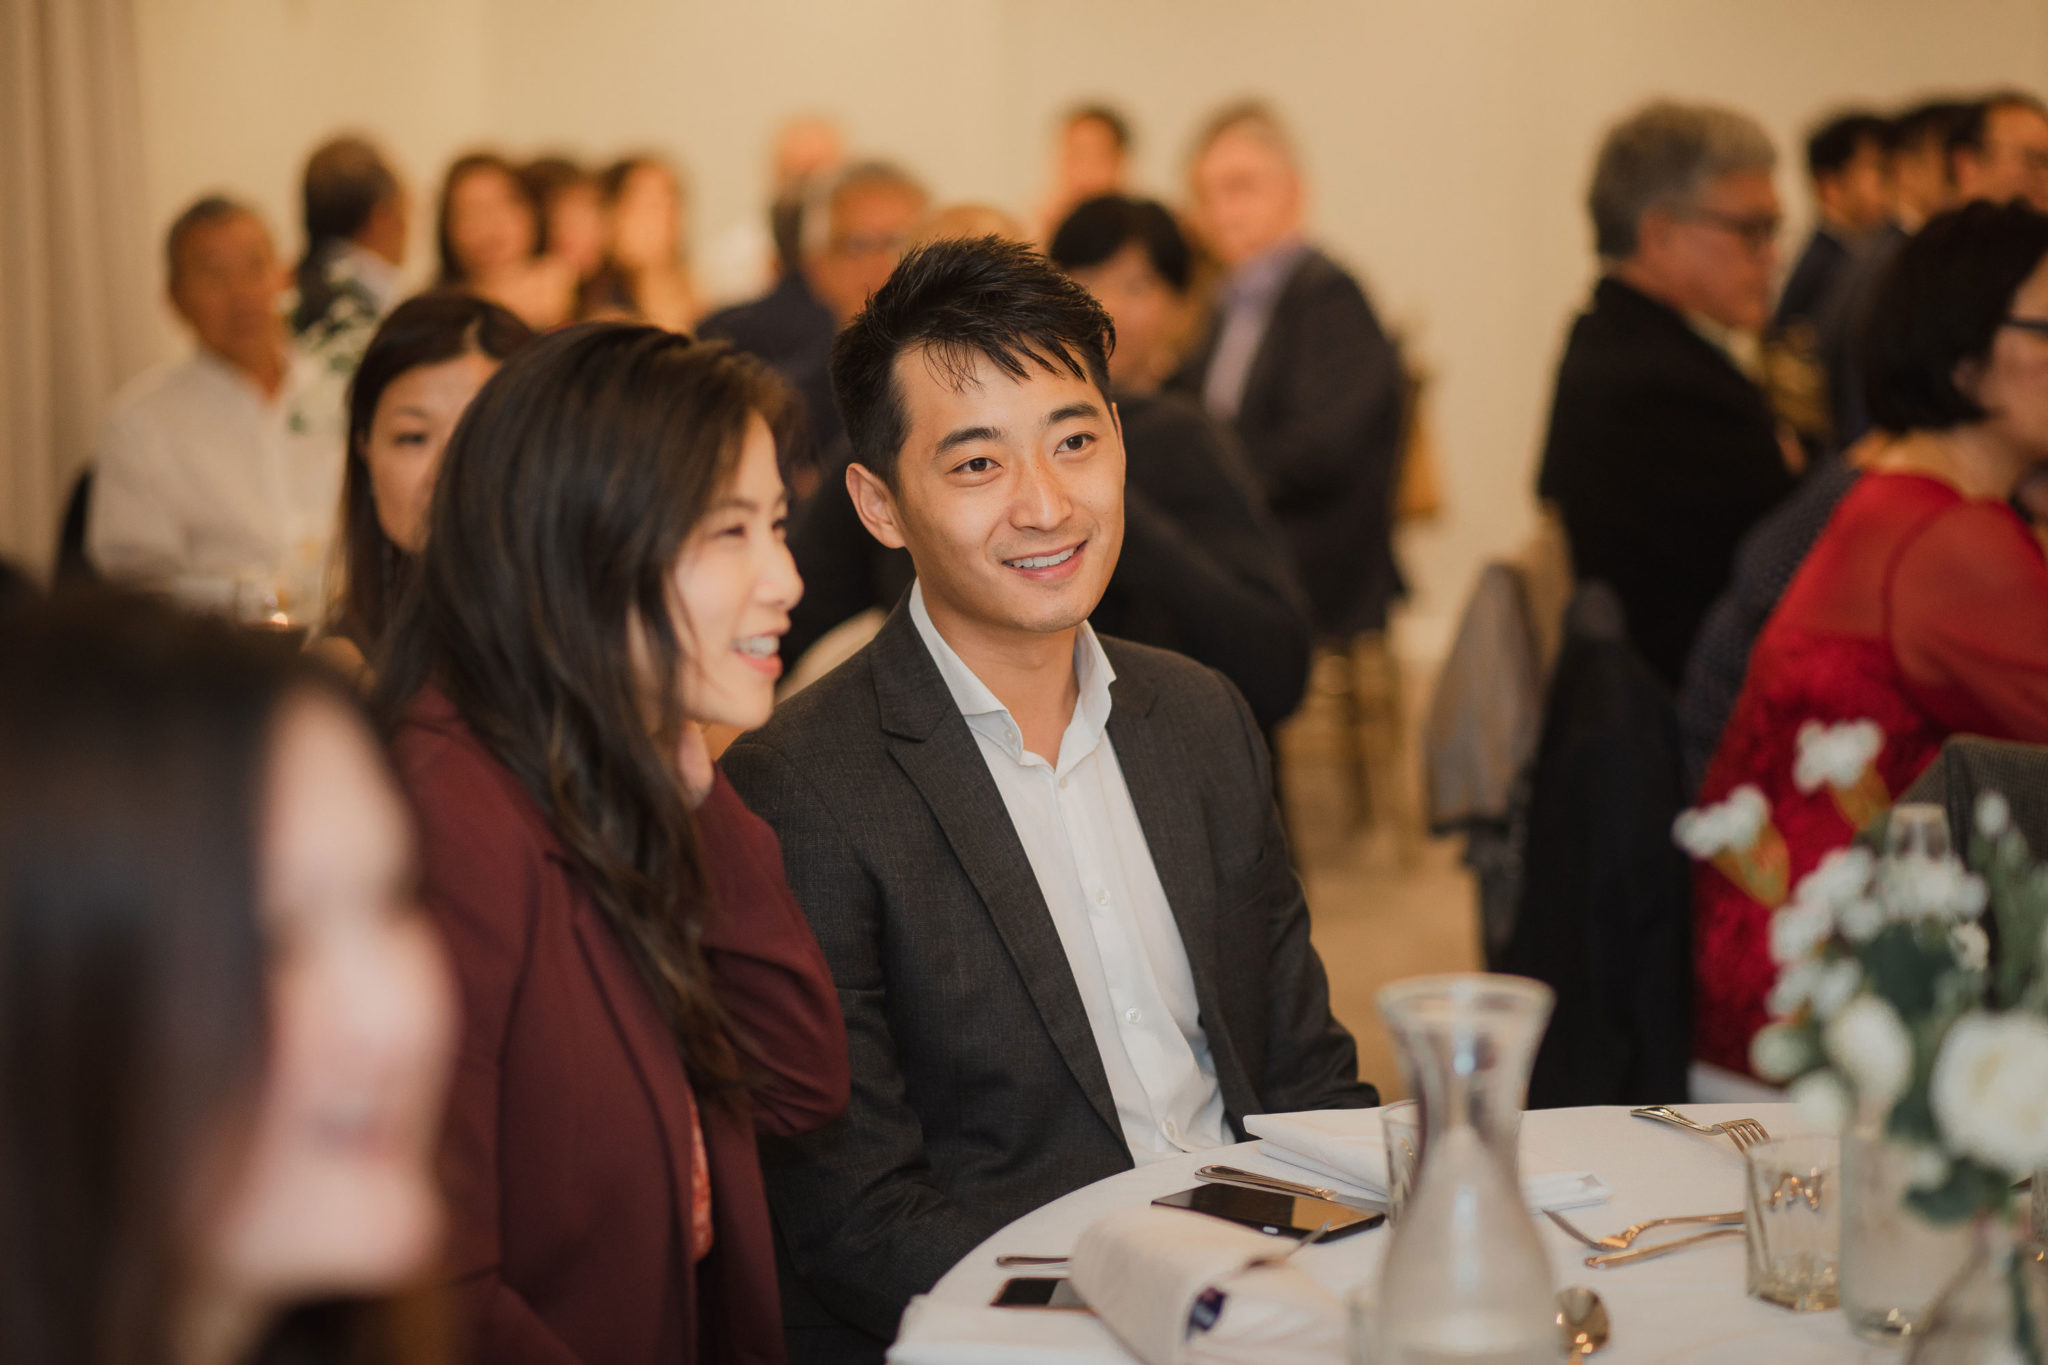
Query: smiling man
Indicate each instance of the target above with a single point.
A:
(1045, 866)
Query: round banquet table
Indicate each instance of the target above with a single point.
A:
(1688, 1306)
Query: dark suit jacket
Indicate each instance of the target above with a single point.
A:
(791, 332)
(978, 1091)
(1812, 280)
(567, 1155)
(1321, 421)
(1203, 571)
(1661, 455)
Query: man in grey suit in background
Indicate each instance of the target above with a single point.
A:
(1045, 867)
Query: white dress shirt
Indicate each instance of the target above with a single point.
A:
(203, 479)
(1094, 869)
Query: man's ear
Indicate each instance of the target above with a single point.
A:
(875, 505)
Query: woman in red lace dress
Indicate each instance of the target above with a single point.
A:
(1923, 607)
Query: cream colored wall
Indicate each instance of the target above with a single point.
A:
(1448, 139)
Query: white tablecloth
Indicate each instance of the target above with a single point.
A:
(1688, 1306)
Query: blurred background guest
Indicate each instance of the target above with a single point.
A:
(1846, 159)
(417, 378)
(1662, 450)
(1091, 157)
(574, 226)
(646, 275)
(490, 233)
(1998, 151)
(1921, 183)
(223, 466)
(1919, 608)
(225, 1026)
(604, 574)
(750, 257)
(1204, 570)
(356, 219)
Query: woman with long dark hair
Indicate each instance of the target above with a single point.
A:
(646, 274)
(489, 235)
(225, 1026)
(604, 572)
(422, 369)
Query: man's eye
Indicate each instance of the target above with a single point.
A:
(980, 464)
(1080, 440)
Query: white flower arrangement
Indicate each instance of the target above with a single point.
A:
(1989, 1090)
(1728, 826)
(1868, 1042)
(1837, 755)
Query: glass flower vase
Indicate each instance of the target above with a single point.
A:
(1893, 1261)
(1466, 1279)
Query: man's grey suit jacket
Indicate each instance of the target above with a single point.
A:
(978, 1093)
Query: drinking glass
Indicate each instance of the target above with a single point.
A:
(1401, 1123)
(1793, 1207)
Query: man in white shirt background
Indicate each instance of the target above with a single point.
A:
(1044, 866)
(217, 476)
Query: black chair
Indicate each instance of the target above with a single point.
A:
(72, 564)
(1968, 767)
(1605, 915)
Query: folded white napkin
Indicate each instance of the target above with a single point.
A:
(1142, 1270)
(1348, 1147)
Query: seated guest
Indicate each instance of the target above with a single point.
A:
(604, 574)
(1920, 606)
(1846, 159)
(645, 276)
(1295, 360)
(1998, 151)
(422, 369)
(1204, 570)
(355, 218)
(223, 465)
(573, 225)
(1922, 185)
(225, 1026)
(1045, 866)
(1662, 451)
(851, 238)
(490, 235)
(1092, 157)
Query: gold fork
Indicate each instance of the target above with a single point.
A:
(1744, 1133)
(1621, 1241)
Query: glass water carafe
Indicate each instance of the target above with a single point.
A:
(1465, 1277)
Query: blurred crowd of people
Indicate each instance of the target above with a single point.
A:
(530, 969)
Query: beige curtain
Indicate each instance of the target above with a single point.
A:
(76, 279)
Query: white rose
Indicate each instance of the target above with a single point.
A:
(1823, 1101)
(1869, 1043)
(1993, 815)
(1835, 985)
(1780, 1051)
(1797, 930)
(1972, 946)
(1933, 888)
(1793, 988)
(1840, 879)
(1835, 754)
(1861, 919)
(1732, 823)
(1990, 1090)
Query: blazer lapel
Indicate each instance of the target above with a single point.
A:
(937, 752)
(1156, 771)
(1262, 376)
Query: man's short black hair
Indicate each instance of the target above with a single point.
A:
(1973, 123)
(956, 299)
(1099, 228)
(1119, 127)
(1929, 121)
(1941, 305)
(1836, 142)
(346, 179)
(203, 212)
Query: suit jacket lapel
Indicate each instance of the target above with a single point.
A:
(1262, 375)
(1156, 769)
(931, 742)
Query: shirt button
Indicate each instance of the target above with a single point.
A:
(1172, 1129)
(1133, 1015)
(1063, 784)
(1101, 896)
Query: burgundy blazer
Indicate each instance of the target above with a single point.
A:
(567, 1156)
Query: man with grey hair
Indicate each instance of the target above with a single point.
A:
(1662, 450)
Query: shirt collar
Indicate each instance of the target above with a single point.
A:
(987, 715)
(377, 276)
(1260, 279)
